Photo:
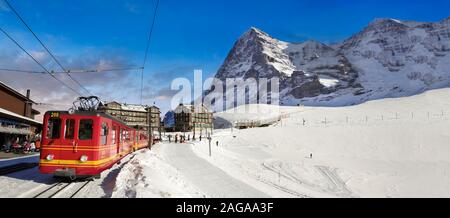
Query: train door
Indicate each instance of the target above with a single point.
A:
(86, 133)
(116, 138)
(68, 138)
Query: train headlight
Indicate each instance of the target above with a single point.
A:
(84, 158)
(50, 157)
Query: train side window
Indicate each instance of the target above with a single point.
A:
(104, 133)
(86, 129)
(127, 136)
(70, 129)
(113, 136)
(54, 128)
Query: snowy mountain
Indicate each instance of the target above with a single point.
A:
(389, 58)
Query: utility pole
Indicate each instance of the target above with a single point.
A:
(150, 141)
(193, 122)
(209, 138)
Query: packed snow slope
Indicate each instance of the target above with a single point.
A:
(384, 148)
(388, 58)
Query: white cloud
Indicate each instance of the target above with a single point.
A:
(131, 8)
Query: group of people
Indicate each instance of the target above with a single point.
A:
(15, 146)
(182, 138)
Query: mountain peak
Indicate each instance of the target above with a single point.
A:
(253, 31)
(385, 21)
(446, 20)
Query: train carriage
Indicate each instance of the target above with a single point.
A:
(85, 143)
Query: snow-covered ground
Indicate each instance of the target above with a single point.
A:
(385, 148)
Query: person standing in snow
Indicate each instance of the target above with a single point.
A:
(311, 156)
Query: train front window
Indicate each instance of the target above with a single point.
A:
(70, 129)
(86, 129)
(53, 128)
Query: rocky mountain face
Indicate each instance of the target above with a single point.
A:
(389, 58)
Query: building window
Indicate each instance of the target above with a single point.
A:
(53, 128)
(86, 129)
(70, 129)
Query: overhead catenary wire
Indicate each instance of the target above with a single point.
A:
(45, 47)
(71, 71)
(148, 47)
(37, 62)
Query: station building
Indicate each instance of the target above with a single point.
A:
(192, 118)
(136, 116)
(17, 116)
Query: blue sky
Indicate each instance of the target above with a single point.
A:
(188, 35)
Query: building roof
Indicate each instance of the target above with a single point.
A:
(188, 108)
(18, 117)
(132, 107)
(16, 93)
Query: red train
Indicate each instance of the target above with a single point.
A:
(84, 144)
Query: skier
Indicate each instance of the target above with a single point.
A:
(311, 156)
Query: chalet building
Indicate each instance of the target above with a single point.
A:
(17, 115)
(190, 118)
(136, 116)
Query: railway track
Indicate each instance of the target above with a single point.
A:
(17, 168)
(62, 189)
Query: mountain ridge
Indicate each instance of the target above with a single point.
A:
(387, 58)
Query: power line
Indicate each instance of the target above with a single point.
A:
(148, 47)
(21, 71)
(45, 47)
(104, 70)
(72, 71)
(37, 62)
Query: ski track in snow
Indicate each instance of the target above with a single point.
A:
(213, 181)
